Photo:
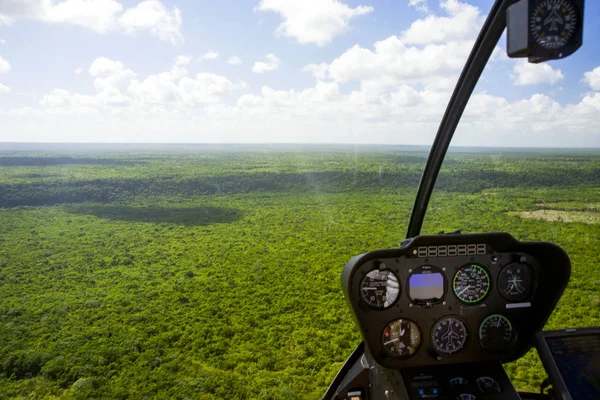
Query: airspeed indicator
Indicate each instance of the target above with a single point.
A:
(471, 283)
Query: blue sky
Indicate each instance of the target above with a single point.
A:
(106, 71)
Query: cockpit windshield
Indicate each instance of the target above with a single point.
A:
(544, 189)
(182, 183)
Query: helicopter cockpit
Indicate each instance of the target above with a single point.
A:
(441, 314)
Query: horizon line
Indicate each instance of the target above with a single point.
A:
(295, 144)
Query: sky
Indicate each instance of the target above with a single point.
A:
(280, 71)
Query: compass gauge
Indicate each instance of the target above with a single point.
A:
(449, 335)
(553, 23)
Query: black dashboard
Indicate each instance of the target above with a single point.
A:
(454, 299)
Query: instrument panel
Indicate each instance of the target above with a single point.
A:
(451, 299)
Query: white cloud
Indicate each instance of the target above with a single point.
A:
(463, 22)
(4, 65)
(153, 16)
(117, 86)
(271, 63)
(4, 89)
(525, 73)
(101, 16)
(78, 71)
(103, 66)
(392, 62)
(234, 60)
(323, 114)
(68, 102)
(98, 15)
(195, 112)
(4, 20)
(206, 88)
(182, 60)
(430, 53)
(420, 5)
(111, 79)
(319, 71)
(592, 78)
(313, 21)
(394, 91)
(2, 41)
(209, 55)
(154, 90)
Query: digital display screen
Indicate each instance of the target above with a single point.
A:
(425, 287)
(578, 360)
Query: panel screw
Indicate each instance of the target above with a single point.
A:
(410, 304)
(409, 271)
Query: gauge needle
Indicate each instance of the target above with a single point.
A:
(391, 341)
(464, 290)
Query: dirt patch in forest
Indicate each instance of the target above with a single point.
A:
(571, 206)
(586, 217)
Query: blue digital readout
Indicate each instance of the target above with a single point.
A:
(426, 287)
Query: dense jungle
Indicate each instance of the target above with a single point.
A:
(213, 272)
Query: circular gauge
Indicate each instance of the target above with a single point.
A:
(458, 381)
(466, 396)
(553, 23)
(496, 332)
(471, 283)
(401, 338)
(449, 335)
(379, 288)
(488, 385)
(515, 282)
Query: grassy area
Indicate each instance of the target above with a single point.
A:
(585, 217)
(214, 274)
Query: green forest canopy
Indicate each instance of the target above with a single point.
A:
(215, 274)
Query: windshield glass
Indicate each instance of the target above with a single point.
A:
(182, 183)
(535, 175)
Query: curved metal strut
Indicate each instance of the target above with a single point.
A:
(482, 50)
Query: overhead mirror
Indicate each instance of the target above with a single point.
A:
(543, 30)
